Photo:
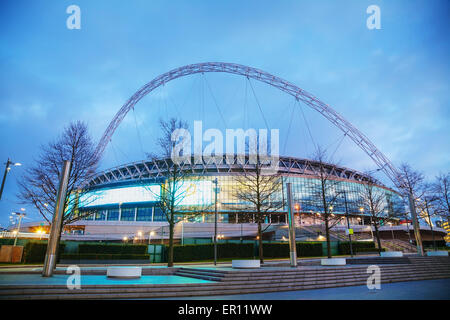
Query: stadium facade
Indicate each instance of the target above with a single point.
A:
(123, 202)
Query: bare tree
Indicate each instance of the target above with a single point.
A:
(441, 189)
(176, 184)
(258, 192)
(428, 206)
(374, 199)
(39, 184)
(412, 186)
(327, 191)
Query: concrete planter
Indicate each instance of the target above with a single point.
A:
(243, 264)
(392, 254)
(124, 272)
(333, 262)
(437, 253)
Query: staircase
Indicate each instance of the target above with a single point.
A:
(398, 245)
(226, 282)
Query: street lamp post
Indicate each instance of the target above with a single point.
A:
(7, 168)
(182, 231)
(21, 215)
(348, 224)
(216, 189)
(292, 245)
(152, 233)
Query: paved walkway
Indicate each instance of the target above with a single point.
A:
(411, 290)
(61, 279)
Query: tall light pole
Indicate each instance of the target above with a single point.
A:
(7, 168)
(412, 208)
(152, 233)
(348, 224)
(55, 230)
(21, 215)
(292, 245)
(216, 189)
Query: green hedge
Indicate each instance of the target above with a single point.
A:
(104, 256)
(281, 250)
(197, 252)
(112, 249)
(369, 246)
(375, 249)
(35, 252)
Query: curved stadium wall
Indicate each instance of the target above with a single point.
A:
(130, 192)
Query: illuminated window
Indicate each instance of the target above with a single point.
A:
(113, 214)
(144, 214)
(127, 214)
(100, 215)
(159, 215)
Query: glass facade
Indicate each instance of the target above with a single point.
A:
(196, 196)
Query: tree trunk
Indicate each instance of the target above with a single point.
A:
(432, 235)
(170, 257)
(327, 231)
(377, 234)
(261, 258)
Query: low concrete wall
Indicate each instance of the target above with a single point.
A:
(124, 272)
(244, 264)
(333, 262)
(391, 254)
(437, 253)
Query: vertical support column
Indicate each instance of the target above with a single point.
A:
(215, 221)
(292, 247)
(55, 232)
(348, 225)
(412, 208)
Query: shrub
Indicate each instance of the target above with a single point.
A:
(344, 247)
(196, 252)
(35, 252)
(369, 249)
(281, 250)
(112, 248)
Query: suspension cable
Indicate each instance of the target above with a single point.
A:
(138, 133)
(259, 106)
(307, 126)
(215, 102)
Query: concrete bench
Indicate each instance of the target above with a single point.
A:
(333, 262)
(245, 264)
(124, 272)
(391, 254)
(437, 253)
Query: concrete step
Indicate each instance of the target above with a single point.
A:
(197, 276)
(274, 283)
(245, 281)
(210, 291)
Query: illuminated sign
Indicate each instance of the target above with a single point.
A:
(188, 193)
(120, 195)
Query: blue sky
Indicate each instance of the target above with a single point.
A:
(392, 83)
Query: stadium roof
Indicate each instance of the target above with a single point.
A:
(157, 168)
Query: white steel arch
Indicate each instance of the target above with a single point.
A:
(354, 134)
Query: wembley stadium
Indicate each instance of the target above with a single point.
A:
(122, 202)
